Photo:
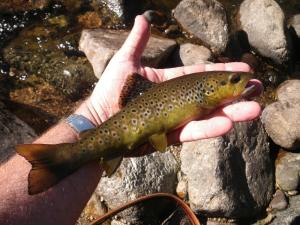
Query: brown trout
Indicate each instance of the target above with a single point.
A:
(149, 117)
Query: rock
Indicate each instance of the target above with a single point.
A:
(13, 131)
(289, 90)
(230, 176)
(100, 45)
(92, 211)
(137, 177)
(181, 189)
(290, 216)
(279, 201)
(190, 54)
(22, 5)
(263, 21)
(294, 22)
(287, 171)
(206, 20)
(281, 119)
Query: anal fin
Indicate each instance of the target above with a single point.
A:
(159, 141)
(110, 166)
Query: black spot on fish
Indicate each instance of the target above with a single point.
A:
(134, 121)
(223, 82)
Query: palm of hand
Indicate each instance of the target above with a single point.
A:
(105, 97)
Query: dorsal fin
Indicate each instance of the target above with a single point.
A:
(133, 87)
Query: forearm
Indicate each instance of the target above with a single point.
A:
(61, 204)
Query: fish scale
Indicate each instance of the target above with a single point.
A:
(149, 117)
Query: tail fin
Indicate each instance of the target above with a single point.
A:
(47, 169)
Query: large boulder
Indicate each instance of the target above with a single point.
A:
(230, 176)
(136, 177)
(206, 20)
(288, 171)
(290, 216)
(100, 45)
(281, 119)
(190, 54)
(264, 23)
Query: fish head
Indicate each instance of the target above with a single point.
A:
(224, 87)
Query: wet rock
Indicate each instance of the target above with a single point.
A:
(119, 11)
(52, 55)
(190, 54)
(182, 186)
(137, 177)
(230, 176)
(206, 20)
(289, 90)
(287, 171)
(295, 23)
(100, 45)
(12, 131)
(279, 201)
(263, 21)
(90, 20)
(290, 216)
(281, 119)
(22, 5)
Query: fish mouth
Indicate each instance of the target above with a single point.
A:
(249, 90)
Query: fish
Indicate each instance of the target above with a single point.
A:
(148, 117)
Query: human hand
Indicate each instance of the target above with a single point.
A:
(104, 101)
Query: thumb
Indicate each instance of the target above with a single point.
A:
(137, 39)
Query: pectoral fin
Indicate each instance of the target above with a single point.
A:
(159, 141)
(110, 166)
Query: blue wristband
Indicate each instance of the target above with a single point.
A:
(79, 123)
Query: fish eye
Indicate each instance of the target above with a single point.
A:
(235, 78)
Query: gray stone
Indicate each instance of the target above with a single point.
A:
(279, 201)
(190, 54)
(137, 177)
(100, 45)
(294, 22)
(281, 119)
(206, 20)
(290, 216)
(288, 90)
(13, 131)
(230, 176)
(263, 21)
(288, 171)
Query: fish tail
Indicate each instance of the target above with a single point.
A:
(47, 168)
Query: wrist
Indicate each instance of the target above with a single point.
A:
(87, 110)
